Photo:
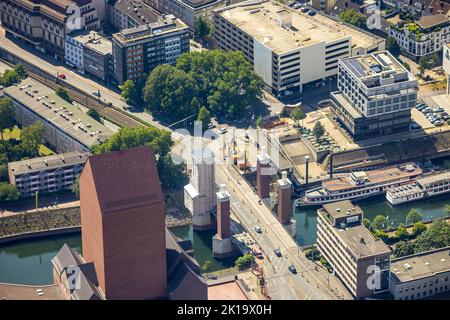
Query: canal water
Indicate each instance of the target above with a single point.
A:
(29, 261)
(430, 209)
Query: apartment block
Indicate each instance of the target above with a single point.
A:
(420, 276)
(424, 37)
(46, 174)
(360, 260)
(419, 8)
(446, 64)
(66, 128)
(289, 48)
(189, 10)
(90, 53)
(125, 14)
(137, 51)
(375, 97)
(44, 23)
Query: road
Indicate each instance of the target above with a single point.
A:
(310, 282)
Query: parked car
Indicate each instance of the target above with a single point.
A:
(296, 6)
(292, 269)
(61, 76)
(438, 123)
(415, 126)
(223, 130)
(311, 13)
(426, 109)
(438, 109)
(421, 106)
(211, 125)
(305, 9)
(257, 229)
(277, 252)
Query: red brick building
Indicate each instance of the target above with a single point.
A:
(123, 224)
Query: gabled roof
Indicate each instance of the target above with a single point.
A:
(125, 179)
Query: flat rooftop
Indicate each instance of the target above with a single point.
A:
(373, 177)
(48, 162)
(373, 64)
(361, 242)
(422, 265)
(444, 176)
(10, 291)
(137, 10)
(426, 22)
(260, 20)
(43, 101)
(339, 209)
(93, 40)
(226, 291)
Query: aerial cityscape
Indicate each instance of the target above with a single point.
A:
(246, 150)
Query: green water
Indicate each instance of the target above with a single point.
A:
(431, 208)
(29, 261)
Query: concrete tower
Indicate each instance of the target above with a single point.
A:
(222, 245)
(285, 202)
(199, 194)
(263, 175)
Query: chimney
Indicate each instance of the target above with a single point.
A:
(284, 199)
(223, 213)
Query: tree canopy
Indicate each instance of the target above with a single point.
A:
(413, 216)
(297, 114)
(130, 92)
(62, 93)
(318, 130)
(379, 222)
(94, 115)
(223, 82)
(8, 192)
(392, 46)
(201, 28)
(353, 17)
(32, 138)
(204, 116)
(6, 115)
(260, 122)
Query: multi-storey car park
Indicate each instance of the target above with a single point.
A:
(375, 95)
(46, 174)
(289, 48)
(66, 128)
(137, 51)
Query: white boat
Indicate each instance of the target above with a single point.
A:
(360, 185)
(423, 187)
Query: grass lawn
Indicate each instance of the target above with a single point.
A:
(43, 150)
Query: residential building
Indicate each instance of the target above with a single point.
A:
(289, 48)
(375, 95)
(90, 53)
(421, 275)
(446, 64)
(422, 38)
(46, 174)
(44, 23)
(137, 51)
(66, 128)
(189, 10)
(419, 8)
(360, 260)
(125, 14)
(139, 260)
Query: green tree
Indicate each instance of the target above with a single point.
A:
(367, 224)
(437, 236)
(75, 187)
(418, 228)
(380, 234)
(392, 46)
(172, 175)
(21, 71)
(401, 232)
(8, 192)
(313, 254)
(4, 173)
(129, 92)
(297, 114)
(171, 92)
(206, 266)
(413, 216)
(32, 138)
(201, 28)
(204, 116)
(423, 65)
(318, 130)
(260, 123)
(94, 115)
(244, 262)
(9, 78)
(404, 248)
(6, 115)
(62, 93)
(353, 17)
(379, 222)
